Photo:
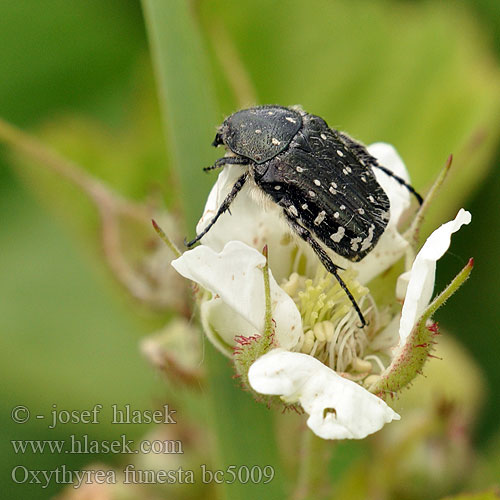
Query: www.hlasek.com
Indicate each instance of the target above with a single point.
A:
(131, 475)
(83, 445)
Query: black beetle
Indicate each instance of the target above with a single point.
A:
(321, 178)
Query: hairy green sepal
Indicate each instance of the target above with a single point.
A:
(409, 362)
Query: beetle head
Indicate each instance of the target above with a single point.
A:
(218, 140)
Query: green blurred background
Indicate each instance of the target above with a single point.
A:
(422, 75)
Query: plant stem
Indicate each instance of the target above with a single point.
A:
(110, 205)
(313, 478)
(94, 188)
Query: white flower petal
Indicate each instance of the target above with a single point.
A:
(421, 283)
(387, 338)
(235, 275)
(221, 323)
(217, 194)
(250, 221)
(391, 245)
(338, 408)
(402, 286)
(399, 196)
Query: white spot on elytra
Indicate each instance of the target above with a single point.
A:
(333, 191)
(293, 210)
(323, 136)
(312, 194)
(299, 169)
(349, 169)
(334, 185)
(338, 235)
(336, 215)
(275, 141)
(258, 131)
(304, 206)
(342, 207)
(320, 218)
(345, 171)
(290, 119)
(367, 242)
(317, 182)
(340, 153)
(355, 243)
(277, 187)
(270, 113)
(371, 199)
(363, 178)
(361, 211)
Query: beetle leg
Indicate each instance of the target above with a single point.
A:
(225, 160)
(370, 160)
(325, 260)
(224, 206)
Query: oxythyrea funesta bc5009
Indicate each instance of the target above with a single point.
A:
(321, 178)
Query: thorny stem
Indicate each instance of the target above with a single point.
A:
(110, 206)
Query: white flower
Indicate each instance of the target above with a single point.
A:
(422, 274)
(339, 408)
(321, 353)
(237, 307)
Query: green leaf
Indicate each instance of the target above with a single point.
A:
(186, 97)
(244, 429)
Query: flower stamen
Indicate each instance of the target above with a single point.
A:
(377, 360)
(331, 330)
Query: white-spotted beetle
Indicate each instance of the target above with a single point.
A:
(321, 178)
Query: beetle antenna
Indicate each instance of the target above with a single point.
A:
(401, 181)
(372, 161)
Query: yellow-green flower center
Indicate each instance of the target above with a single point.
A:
(332, 332)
